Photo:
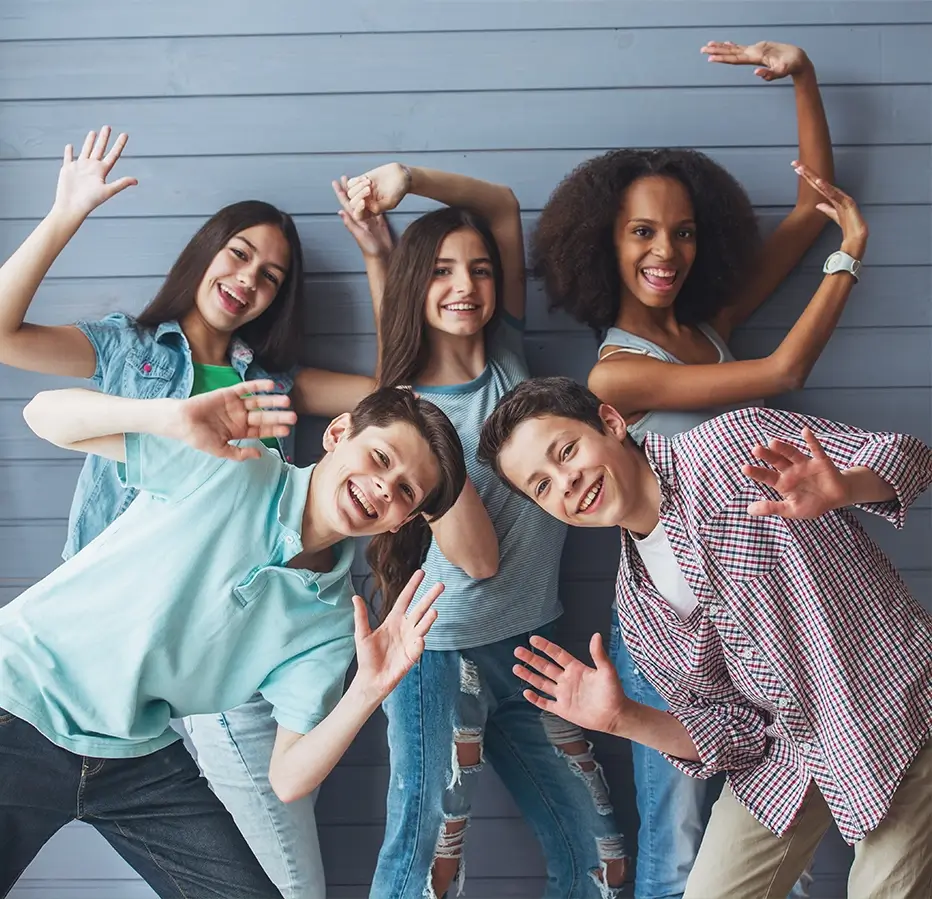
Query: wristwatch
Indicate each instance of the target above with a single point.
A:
(840, 261)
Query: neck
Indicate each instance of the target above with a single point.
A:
(208, 345)
(317, 535)
(640, 319)
(453, 359)
(641, 516)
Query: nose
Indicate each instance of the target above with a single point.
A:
(383, 488)
(463, 284)
(247, 275)
(662, 246)
(570, 481)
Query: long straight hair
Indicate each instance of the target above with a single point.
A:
(403, 346)
(393, 558)
(275, 336)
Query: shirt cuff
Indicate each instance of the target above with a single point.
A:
(130, 471)
(726, 739)
(905, 463)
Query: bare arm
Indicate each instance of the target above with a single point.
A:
(466, 536)
(638, 383)
(92, 422)
(300, 762)
(799, 230)
(383, 188)
(328, 393)
(82, 186)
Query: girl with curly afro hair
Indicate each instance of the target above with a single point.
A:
(659, 252)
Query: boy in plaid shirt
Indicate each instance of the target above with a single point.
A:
(790, 652)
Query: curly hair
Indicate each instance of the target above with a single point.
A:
(573, 247)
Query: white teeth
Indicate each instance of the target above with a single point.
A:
(660, 273)
(370, 510)
(461, 307)
(589, 498)
(231, 295)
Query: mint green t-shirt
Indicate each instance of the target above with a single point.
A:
(216, 377)
(183, 605)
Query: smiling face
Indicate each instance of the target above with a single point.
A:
(243, 279)
(579, 475)
(461, 296)
(375, 480)
(655, 240)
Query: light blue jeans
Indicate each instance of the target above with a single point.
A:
(234, 751)
(672, 807)
(455, 698)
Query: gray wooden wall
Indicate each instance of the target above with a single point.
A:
(236, 99)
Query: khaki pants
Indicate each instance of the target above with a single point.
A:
(740, 859)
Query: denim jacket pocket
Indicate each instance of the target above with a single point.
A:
(146, 375)
(745, 546)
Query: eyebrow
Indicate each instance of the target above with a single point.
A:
(471, 261)
(252, 247)
(548, 454)
(652, 222)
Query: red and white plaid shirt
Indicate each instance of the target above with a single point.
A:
(806, 658)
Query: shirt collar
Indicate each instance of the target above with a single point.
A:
(241, 354)
(165, 328)
(331, 585)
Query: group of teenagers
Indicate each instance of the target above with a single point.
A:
(758, 632)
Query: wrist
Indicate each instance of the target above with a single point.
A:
(854, 246)
(806, 70)
(67, 220)
(363, 695)
(410, 175)
(161, 418)
(624, 722)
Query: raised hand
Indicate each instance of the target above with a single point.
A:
(773, 60)
(385, 655)
(209, 421)
(840, 208)
(810, 485)
(371, 232)
(589, 697)
(378, 190)
(82, 182)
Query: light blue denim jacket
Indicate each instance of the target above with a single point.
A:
(139, 363)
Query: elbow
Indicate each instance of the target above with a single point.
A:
(37, 415)
(286, 788)
(788, 375)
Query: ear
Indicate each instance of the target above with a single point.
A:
(612, 422)
(408, 520)
(336, 431)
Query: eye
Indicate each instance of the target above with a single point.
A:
(441, 271)
(541, 487)
(686, 233)
(271, 277)
(642, 231)
(238, 253)
(566, 451)
(482, 272)
(383, 459)
(408, 492)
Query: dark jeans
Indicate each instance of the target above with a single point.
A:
(156, 811)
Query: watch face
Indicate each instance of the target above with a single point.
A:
(833, 263)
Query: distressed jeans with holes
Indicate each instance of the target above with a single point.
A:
(672, 807)
(472, 698)
(156, 811)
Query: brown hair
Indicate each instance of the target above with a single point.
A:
(275, 336)
(393, 558)
(403, 344)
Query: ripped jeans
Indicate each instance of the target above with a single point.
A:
(451, 713)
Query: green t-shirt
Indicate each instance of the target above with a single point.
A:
(215, 377)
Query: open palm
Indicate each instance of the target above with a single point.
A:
(385, 655)
(82, 181)
(810, 485)
(209, 421)
(588, 697)
(772, 59)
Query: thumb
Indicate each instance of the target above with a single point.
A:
(598, 653)
(361, 625)
(768, 507)
(121, 184)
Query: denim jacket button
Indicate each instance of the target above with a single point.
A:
(146, 367)
(287, 458)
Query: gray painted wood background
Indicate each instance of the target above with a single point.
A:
(235, 99)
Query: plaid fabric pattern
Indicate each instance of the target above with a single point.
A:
(806, 658)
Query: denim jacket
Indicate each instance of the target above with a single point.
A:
(135, 362)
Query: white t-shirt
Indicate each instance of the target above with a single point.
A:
(657, 555)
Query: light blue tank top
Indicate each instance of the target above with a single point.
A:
(669, 422)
